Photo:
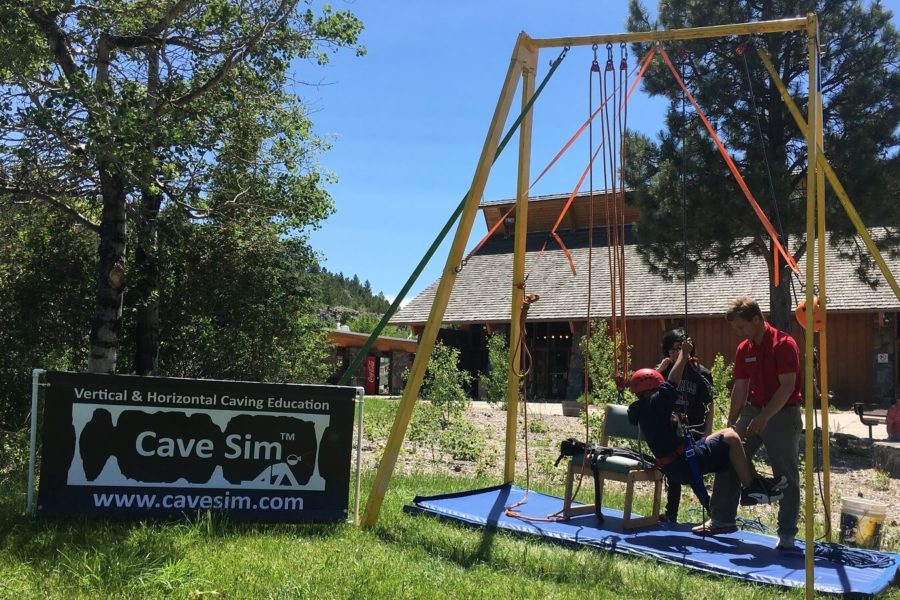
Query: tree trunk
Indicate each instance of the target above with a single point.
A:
(780, 313)
(107, 319)
(146, 262)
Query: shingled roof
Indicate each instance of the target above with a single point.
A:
(482, 290)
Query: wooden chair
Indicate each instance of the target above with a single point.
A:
(616, 468)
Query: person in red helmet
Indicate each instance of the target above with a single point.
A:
(660, 426)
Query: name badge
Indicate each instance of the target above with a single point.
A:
(750, 359)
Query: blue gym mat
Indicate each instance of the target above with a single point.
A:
(744, 554)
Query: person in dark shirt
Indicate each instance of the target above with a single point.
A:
(662, 428)
(695, 402)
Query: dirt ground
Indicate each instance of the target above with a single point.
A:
(852, 466)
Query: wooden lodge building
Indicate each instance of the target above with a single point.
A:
(863, 334)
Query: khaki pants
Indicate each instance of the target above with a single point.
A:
(781, 437)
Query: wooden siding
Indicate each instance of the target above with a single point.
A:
(850, 348)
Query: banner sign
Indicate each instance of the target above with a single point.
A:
(129, 446)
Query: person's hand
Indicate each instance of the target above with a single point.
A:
(687, 347)
(664, 364)
(756, 426)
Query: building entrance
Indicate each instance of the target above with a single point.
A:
(551, 344)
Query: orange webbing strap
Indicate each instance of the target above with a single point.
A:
(733, 168)
(591, 118)
(776, 275)
(487, 236)
(562, 214)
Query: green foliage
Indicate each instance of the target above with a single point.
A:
(445, 383)
(238, 305)
(367, 322)
(600, 364)
(463, 440)
(113, 111)
(46, 294)
(337, 290)
(537, 425)
(721, 374)
(494, 382)
(593, 419)
(860, 82)
(14, 449)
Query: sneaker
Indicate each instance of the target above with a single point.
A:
(711, 528)
(763, 491)
(776, 485)
(787, 543)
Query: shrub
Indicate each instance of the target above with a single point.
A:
(463, 441)
(495, 380)
(721, 374)
(445, 383)
(599, 351)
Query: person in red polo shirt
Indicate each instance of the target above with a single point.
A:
(765, 411)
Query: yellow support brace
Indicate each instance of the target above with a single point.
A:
(812, 148)
(823, 335)
(529, 65)
(442, 295)
(830, 175)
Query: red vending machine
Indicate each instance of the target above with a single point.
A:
(371, 382)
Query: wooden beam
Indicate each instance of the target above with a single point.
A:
(529, 68)
(693, 33)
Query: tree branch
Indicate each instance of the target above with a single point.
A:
(151, 34)
(233, 60)
(56, 37)
(55, 202)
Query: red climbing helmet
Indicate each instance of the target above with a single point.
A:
(645, 380)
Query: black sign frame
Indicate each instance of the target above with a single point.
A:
(137, 447)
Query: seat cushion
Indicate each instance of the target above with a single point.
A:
(616, 464)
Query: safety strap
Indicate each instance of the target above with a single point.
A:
(669, 458)
(767, 225)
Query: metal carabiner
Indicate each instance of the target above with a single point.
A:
(609, 60)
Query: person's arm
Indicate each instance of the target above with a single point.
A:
(707, 429)
(706, 396)
(683, 357)
(664, 364)
(738, 398)
(786, 383)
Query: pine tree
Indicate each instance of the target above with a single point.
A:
(860, 84)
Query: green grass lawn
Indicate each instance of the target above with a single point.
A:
(403, 556)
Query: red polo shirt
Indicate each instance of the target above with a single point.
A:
(762, 363)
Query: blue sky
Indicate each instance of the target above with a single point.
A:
(408, 120)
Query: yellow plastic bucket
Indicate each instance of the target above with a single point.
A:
(862, 522)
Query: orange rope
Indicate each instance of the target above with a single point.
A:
(733, 168)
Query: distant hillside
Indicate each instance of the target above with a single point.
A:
(336, 290)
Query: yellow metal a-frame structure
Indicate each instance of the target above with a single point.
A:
(523, 67)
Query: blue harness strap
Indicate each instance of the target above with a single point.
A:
(696, 476)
